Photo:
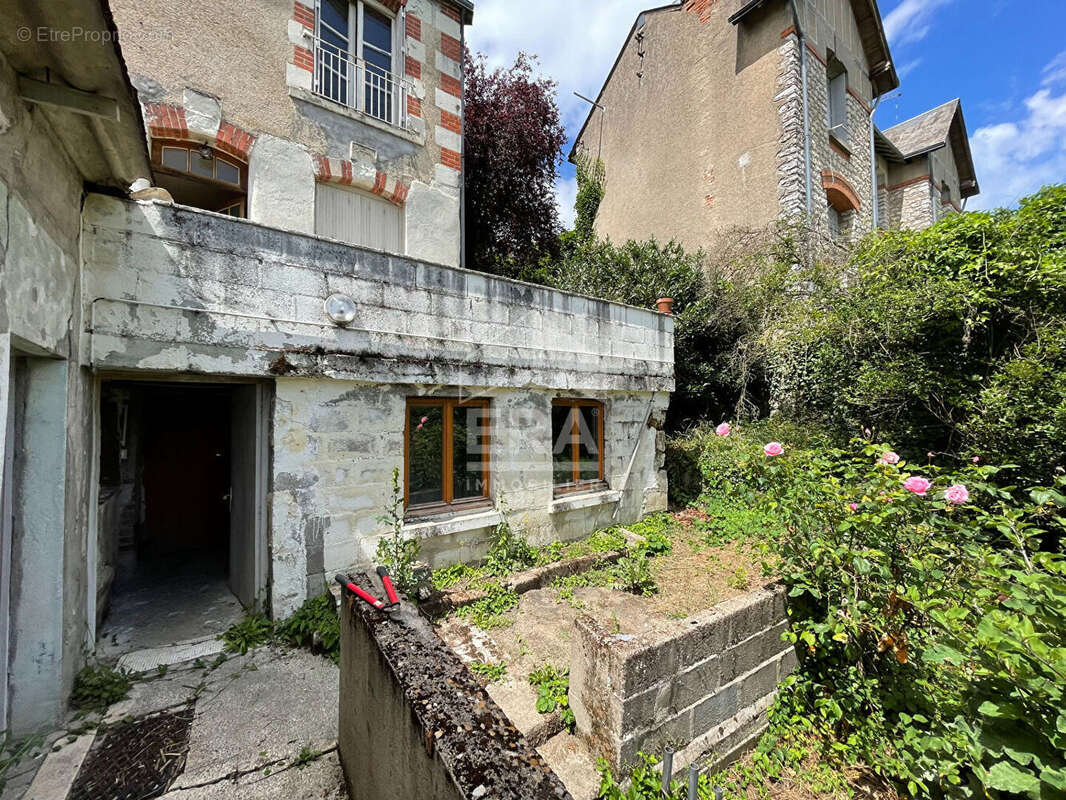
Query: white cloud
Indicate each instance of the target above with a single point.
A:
(909, 67)
(1055, 72)
(910, 21)
(565, 196)
(1017, 157)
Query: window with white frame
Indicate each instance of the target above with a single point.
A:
(356, 55)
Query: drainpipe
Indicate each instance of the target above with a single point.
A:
(873, 164)
(806, 106)
(462, 141)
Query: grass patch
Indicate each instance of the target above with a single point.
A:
(492, 672)
(96, 688)
(490, 611)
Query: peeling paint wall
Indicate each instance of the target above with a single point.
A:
(170, 290)
(40, 315)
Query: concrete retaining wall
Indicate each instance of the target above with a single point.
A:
(414, 723)
(703, 690)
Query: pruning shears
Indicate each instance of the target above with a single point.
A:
(393, 604)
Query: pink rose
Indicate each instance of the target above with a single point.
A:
(888, 457)
(724, 429)
(419, 427)
(853, 506)
(977, 459)
(774, 449)
(931, 454)
(957, 494)
(920, 486)
(424, 420)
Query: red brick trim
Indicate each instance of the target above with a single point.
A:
(838, 149)
(451, 85)
(791, 29)
(450, 158)
(233, 140)
(322, 172)
(701, 8)
(911, 182)
(414, 28)
(450, 121)
(841, 194)
(414, 106)
(451, 47)
(817, 55)
(303, 58)
(166, 122)
(451, 13)
(413, 68)
(379, 183)
(304, 15)
(862, 102)
(399, 194)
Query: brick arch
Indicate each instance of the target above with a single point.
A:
(348, 173)
(841, 194)
(169, 122)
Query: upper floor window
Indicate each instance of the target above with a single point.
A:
(577, 445)
(837, 77)
(447, 453)
(197, 175)
(356, 56)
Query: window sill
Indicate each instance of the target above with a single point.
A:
(358, 116)
(452, 522)
(840, 140)
(573, 502)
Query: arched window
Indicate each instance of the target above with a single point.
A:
(198, 175)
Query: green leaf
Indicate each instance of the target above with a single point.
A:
(939, 653)
(1054, 777)
(1006, 777)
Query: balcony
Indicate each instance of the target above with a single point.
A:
(361, 86)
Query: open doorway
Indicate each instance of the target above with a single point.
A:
(181, 515)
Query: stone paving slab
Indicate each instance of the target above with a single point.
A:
(321, 779)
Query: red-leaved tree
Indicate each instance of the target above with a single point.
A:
(512, 141)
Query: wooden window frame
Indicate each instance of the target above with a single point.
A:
(577, 484)
(448, 504)
(192, 147)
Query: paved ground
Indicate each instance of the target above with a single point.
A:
(265, 727)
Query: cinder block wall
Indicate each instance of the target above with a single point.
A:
(703, 690)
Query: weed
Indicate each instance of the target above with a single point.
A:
(446, 577)
(395, 552)
(161, 670)
(553, 687)
(12, 751)
(490, 671)
(488, 612)
(253, 631)
(509, 552)
(551, 553)
(305, 757)
(739, 579)
(632, 574)
(96, 688)
(656, 544)
(314, 626)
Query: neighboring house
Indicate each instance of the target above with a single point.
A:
(202, 413)
(338, 118)
(736, 113)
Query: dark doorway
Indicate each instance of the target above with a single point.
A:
(180, 466)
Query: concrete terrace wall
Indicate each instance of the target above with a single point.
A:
(414, 723)
(703, 690)
(171, 290)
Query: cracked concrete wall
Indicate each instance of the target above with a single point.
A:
(171, 290)
(40, 315)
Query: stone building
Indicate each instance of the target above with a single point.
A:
(772, 120)
(205, 396)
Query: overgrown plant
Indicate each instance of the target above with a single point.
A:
(632, 573)
(553, 688)
(315, 626)
(509, 551)
(489, 671)
(255, 630)
(396, 552)
(97, 687)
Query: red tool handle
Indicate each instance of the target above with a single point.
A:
(386, 581)
(362, 595)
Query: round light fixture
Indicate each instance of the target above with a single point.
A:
(340, 308)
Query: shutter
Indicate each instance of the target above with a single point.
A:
(355, 217)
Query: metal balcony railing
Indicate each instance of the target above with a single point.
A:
(360, 85)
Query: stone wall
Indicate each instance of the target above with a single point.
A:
(703, 690)
(172, 290)
(414, 723)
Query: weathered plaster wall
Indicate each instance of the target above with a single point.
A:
(690, 146)
(40, 314)
(255, 73)
(173, 290)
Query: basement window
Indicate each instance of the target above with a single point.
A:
(446, 455)
(577, 446)
(197, 175)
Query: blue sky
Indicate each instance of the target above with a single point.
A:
(1006, 59)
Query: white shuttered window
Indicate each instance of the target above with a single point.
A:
(355, 217)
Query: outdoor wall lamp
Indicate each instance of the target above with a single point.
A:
(340, 308)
